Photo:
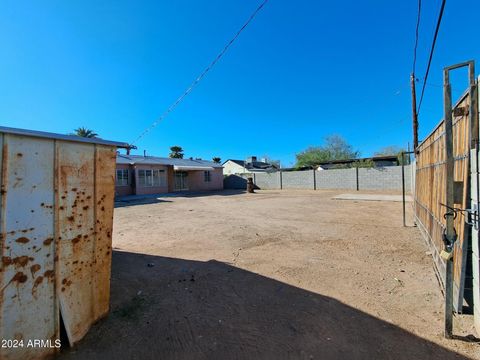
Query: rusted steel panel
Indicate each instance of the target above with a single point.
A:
(105, 160)
(56, 215)
(75, 169)
(28, 307)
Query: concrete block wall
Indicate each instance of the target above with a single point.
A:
(298, 179)
(337, 179)
(387, 178)
(235, 182)
(266, 181)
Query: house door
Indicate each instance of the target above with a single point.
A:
(181, 180)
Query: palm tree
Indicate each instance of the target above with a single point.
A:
(84, 132)
(216, 160)
(176, 152)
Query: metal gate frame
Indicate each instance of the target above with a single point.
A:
(442, 191)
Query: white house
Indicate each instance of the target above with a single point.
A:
(251, 165)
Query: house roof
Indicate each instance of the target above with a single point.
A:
(73, 138)
(154, 160)
(254, 165)
(374, 158)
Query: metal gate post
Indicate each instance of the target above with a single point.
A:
(449, 231)
(356, 179)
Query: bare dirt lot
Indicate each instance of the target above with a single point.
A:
(271, 275)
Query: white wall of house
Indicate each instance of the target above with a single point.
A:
(230, 167)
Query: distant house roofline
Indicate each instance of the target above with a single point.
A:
(155, 160)
(373, 158)
(254, 165)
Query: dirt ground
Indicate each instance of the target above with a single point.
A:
(271, 275)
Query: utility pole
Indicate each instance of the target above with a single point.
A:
(414, 112)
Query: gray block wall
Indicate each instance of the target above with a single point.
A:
(337, 179)
(234, 182)
(298, 179)
(386, 178)
(267, 181)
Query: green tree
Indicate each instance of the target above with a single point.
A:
(176, 152)
(393, 150)
(84, 132)
(216, 160)
(334, 147)
(388, 151)
(365, 163)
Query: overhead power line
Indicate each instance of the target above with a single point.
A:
(419, 11)
(201, 76)
(431, 54)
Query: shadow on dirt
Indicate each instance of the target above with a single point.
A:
(166, 308)
(132, 200)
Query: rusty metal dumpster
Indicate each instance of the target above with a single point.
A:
(56, 214)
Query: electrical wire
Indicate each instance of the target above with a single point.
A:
(431, 54)
(201, 76)
(419, 11)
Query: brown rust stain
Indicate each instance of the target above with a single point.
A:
(49, 274)
(22, 240)
(37, 282)
(21, 260)
(19, 277)
(4, 166)
(47, 241)
(34, 268)
(6, 260)
(70, 218)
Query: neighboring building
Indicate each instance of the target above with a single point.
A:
(251, 165)
(138, 175)
(378, 161)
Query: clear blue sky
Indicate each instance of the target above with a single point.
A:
(302, 70)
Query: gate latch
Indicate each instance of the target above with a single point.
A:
(473, 218)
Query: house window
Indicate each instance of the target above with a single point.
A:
(159, 178)
(149, 178)
(122, 177)
(207, 176)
